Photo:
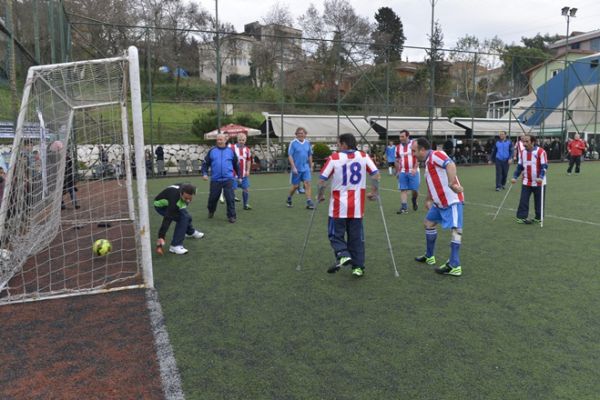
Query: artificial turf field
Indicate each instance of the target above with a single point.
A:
(521, 323)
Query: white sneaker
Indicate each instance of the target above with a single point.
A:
(222, 199)
(178, 249)
(196, 235)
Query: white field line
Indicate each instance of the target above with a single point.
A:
(579, 221)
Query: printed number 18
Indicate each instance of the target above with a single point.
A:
(355, 175)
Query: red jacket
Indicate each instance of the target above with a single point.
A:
(576, 147)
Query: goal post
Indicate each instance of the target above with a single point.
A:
(70, 181)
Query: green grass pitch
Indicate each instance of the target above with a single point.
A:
(521, 323)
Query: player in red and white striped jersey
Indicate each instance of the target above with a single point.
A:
(407, 168)
(533, 163)
(445, 203)
(348, 169)
(245, 162)
(518, 149)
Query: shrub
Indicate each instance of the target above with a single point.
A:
(321, 151)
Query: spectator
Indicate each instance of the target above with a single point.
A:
(223, 162)
(69, 184)
(576, 148)
(160, 159)
(501, 156)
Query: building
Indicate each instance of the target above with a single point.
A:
(258, 53)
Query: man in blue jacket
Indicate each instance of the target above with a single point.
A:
(222, 162)
(502, 155)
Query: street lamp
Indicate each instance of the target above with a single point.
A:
(567, 12)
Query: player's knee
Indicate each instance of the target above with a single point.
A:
(429, 224)
(456, 235)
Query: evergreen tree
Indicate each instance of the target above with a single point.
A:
(388, 36)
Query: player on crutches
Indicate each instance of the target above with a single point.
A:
(348, 169)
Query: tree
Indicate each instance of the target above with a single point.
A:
(436, 55)
(341, 43)
(540, 42)
(279, 14)
(388, 37)
(466, 58)
(516, 60)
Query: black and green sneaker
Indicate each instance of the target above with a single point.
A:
(523, 221)
(536, 221)
(358, 272)
(447, 269)
(426, 260)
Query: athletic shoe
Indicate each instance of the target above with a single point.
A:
(247, 207)
(426, 260)
(447, 269)
(402, 211)
(310, 205)
(343, 261)
(289, 202)
(178, 250)
(415, 206)
(523, 221)
(536, 221)
(232, 220)
(497, 189)
(301, 191)
(196, 235)
(211, 214)
(333, 269)
(236, 199)
(358, 272)
(222, 199)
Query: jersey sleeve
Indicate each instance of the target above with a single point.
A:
(327, 169)
(371, 167)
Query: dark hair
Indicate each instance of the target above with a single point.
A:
(405, 131)
(187, 188)
(348, 139)
(423, 143)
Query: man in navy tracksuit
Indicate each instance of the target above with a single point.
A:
(222, 162)
(501, 155)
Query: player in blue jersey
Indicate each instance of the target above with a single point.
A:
(301, 164)
(390, 155)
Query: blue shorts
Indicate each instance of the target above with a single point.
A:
(406, 181)
(301, 176)
(450, 217)
(244, 185)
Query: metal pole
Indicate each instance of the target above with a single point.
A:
(281, 94)
(52, 32)
(432, 73)
(149, 78)
(12, 62)
(387, 95)
(61, 33)
(565, 117)
(36, 31)
(218, 44)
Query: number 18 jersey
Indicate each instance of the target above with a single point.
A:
(349, 170)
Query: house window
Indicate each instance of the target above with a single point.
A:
(575, 46)
(594, 63)
(595, 44)
(555, 72)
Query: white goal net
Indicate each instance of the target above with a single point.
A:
(70, 182)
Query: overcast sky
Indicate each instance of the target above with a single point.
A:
(508, 19)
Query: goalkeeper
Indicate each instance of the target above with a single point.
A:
(172, 204)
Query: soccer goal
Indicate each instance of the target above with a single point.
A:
(55, 205)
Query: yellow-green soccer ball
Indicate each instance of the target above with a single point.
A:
(101, 247)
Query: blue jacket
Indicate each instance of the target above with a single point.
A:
(502, 150)
(222, 162)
